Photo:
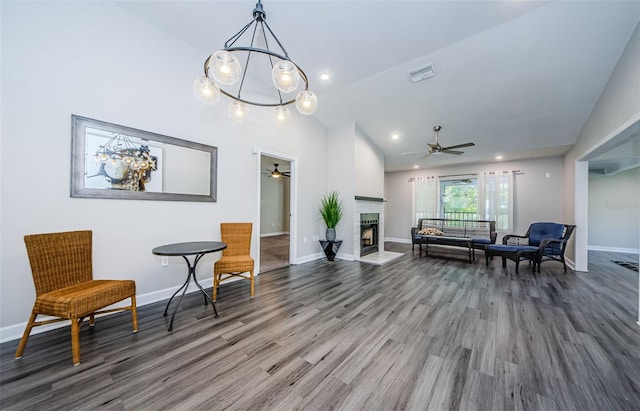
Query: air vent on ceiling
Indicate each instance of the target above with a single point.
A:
(421, 73)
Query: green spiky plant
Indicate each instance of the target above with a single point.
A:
(331, 209)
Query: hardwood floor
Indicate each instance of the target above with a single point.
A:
(274, 252)
(430, 333)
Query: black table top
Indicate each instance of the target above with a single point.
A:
(190, 248)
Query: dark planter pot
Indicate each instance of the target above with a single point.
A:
(331, 234)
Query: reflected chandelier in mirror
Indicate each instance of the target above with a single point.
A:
(113, 161)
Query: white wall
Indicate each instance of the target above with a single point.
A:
(614, 219)
(536, 197)
(369, 167)
(617, 107)
(356, 167)
(96, 60)
(340, 173)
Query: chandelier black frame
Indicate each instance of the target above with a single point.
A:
(259, 19)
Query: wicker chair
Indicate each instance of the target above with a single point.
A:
(61, 265)
(236, 260)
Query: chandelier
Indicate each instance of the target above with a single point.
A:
(124, 164)
(224, 69)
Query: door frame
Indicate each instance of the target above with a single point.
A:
(293, 201)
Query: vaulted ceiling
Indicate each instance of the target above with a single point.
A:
(518, 78)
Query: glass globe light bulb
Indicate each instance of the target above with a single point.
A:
(135, 165)
(286, 76)
(306, 102)
(224, 67)
(144, 164)
(114, 161)
(103, 158)
(238, 111)
(281, 114)
(206, 90)
(128, 160)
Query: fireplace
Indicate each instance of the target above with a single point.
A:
(368, 233)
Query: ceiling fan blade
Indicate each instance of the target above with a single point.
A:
(436, 145)
(460, 146)
(452, 152)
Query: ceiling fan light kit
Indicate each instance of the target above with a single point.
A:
(275, 173)
(224, 68)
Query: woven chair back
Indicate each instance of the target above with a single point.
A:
(237, 236)
(59, 260)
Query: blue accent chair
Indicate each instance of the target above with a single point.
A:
(543, 241)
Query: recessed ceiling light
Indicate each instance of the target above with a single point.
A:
(324, 76)
(498, 157)
(395, 136)
(416, 166)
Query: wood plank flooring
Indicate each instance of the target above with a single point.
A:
(274, 252)
(415, 334)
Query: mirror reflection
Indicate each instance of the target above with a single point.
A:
(112, 161)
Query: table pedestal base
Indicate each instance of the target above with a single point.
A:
(191, 273)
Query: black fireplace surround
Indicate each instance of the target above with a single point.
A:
(368, 233)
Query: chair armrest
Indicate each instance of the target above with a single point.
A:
(507, 237)
(549, 241)
(414, 231)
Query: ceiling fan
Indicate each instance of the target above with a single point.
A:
(437, 149)
(275, 173)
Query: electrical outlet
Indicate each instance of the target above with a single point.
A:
(164, 262)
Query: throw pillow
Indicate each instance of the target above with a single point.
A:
(430, 231)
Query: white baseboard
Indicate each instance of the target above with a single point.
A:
(346, 257)
(570, 263)
(14, 332)
(309, 258)
(614, 249)
(398, 240)
(274, 234)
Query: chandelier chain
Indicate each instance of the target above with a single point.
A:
(236, 36)
(244, 72)
(266, 42)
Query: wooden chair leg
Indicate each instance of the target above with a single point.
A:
(251, 273)
(25, 335)
(215, 286)
(75, 340)
(134, 313)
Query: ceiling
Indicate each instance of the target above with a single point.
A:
(518, 78)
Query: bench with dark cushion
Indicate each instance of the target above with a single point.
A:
(473, 234)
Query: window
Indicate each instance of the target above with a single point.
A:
(459, 199)
(485, 196)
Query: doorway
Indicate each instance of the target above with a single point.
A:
(275, 212)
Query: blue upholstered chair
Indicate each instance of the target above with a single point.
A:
(542, 241)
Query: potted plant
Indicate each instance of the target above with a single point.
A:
(331, 211)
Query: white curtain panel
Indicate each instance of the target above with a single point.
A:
(495, 198)
(425, 197)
